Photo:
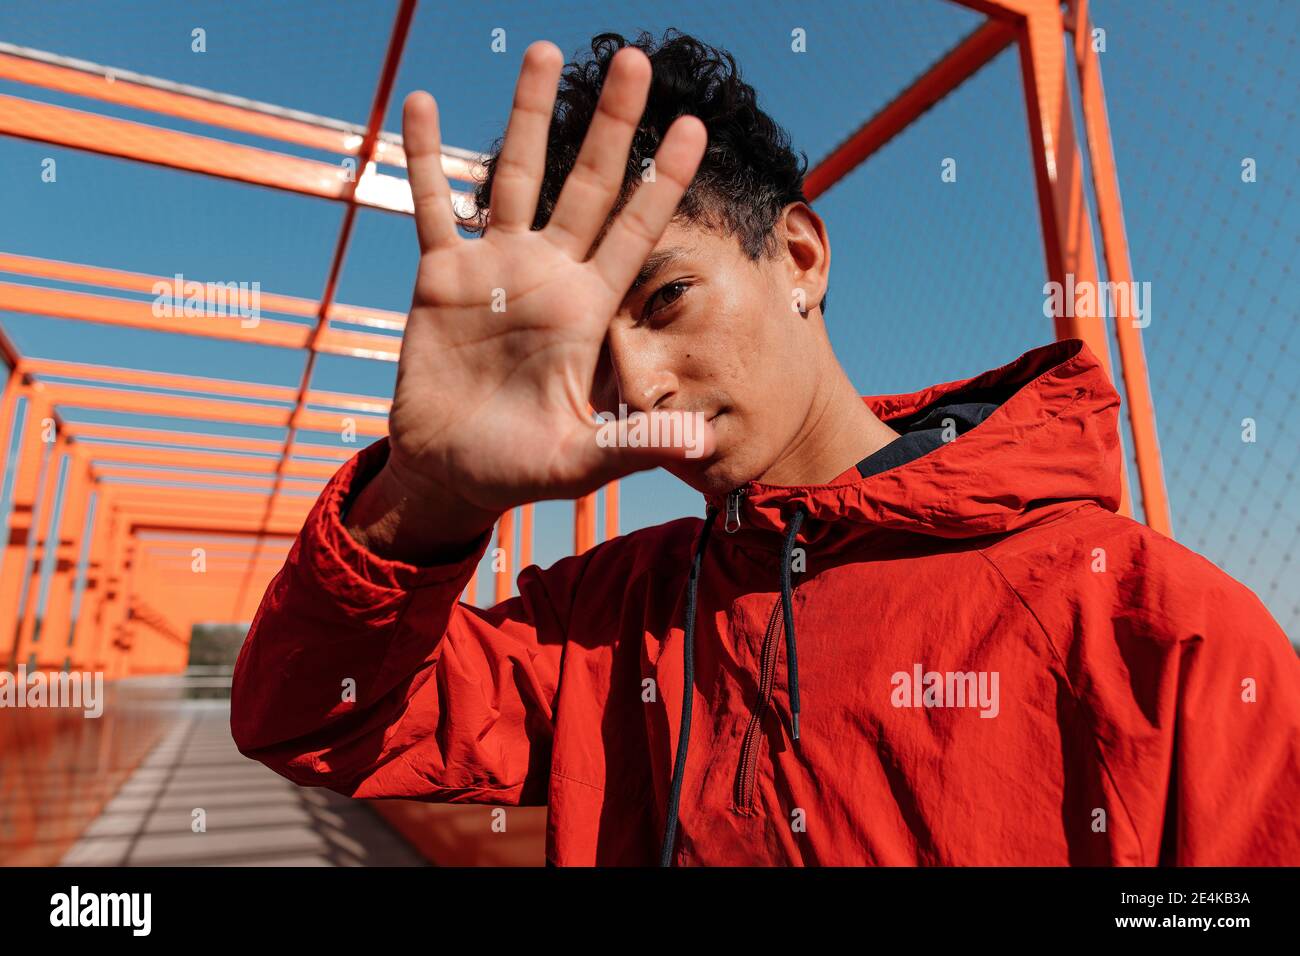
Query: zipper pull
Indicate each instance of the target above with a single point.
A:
(732, 524)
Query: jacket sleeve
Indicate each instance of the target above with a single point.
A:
(370, 678)
(1234, 790)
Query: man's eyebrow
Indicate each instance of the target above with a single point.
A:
(656, 261)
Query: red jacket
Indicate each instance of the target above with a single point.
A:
(992, 666)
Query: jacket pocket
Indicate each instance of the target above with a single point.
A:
(752, 743)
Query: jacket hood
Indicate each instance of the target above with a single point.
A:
(1052, 443)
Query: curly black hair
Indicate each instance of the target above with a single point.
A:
(748, 174)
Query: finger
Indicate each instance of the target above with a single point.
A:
(517, 176)
(422, 143)
(593, 185)
(640, 224)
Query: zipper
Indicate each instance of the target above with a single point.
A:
(732, 524)
(749, 746)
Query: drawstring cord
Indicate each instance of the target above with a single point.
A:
(688, 690)
(688, 663)
(787, 596)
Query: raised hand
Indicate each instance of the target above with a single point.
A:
(501, 345)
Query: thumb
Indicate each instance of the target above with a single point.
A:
(622, 445)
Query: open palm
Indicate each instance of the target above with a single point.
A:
(504, 333)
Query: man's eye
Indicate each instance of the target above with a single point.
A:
(668, 297)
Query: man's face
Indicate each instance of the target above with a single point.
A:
(712, 331)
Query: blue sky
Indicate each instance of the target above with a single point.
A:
(930, 281)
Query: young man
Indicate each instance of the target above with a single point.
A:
(911, 629)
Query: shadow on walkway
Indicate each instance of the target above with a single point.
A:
(195, 779)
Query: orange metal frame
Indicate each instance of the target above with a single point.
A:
(159, 496)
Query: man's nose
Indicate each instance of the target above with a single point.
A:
(643, 381)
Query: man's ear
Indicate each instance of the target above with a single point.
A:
(808, 250)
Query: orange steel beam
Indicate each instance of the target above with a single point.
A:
(216, 569)
(50, 652)
(611, 511)
(208, 409)
(189, 605)
(1058, 168)
(43, 528)
(160, 476)
(365, 152)
(1058, 174)
(88, 431)
(93, 431)
(1110, 214)
(174, 504)
(369, 404)
(334, 341)
(189, 152)
(1066, 230)
(185, 535)
(34, 267)
(196, 525)
(938, 81)
(63, 584)
(178, 584)
(366, 345)
(107, 630)
(28, 478)
(86, 617)
(53, 642)
(217, 572)
(1013, 10)
(153, 510)
(182, 514)
(111, 616)
(96, 636)
(526, 536)
(8, 412)
(132, 313)
(120, 649)
(116, 375)
(504, 561)
(225, 563)
(126, 139)
(147, 94)
(162, 97)
(113, 608)
(213, 556)
(204, 571)
(124, 92)
(176, 406)
(210, 507)
(584, 523)
(214, 548)
(1037, 26)
(209, 460)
